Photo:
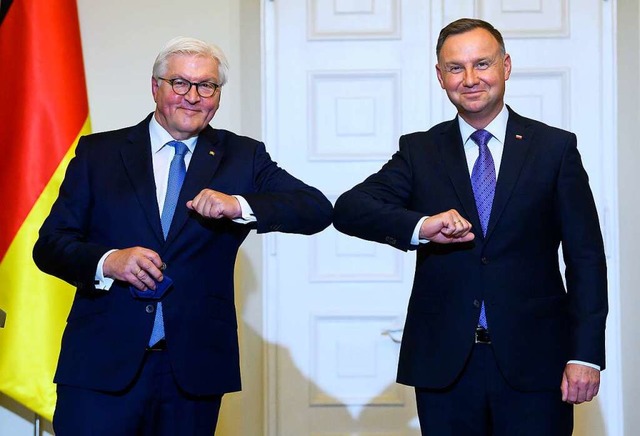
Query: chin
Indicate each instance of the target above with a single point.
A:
(191, 124)
(474, 108)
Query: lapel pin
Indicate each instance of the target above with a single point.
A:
(212, 153)
(518, 136)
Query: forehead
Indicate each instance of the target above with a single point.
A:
(187, 66)
(476, 43)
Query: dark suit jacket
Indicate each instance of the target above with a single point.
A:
(108, 200)
(542, 200)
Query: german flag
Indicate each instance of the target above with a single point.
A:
(43, 112)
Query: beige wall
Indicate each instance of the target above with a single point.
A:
(121, 39)
(629, 200)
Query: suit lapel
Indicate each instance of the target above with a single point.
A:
(136, 156)
(204, 163)
(455, 161)
(516, 147)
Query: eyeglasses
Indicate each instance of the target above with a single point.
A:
(183, 86)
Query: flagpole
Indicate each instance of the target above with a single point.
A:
(36, 424)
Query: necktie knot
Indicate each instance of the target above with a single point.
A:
(181, 148)
(481, 137)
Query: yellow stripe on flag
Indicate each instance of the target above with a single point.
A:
(37, 306)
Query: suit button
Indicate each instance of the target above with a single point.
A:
(476, 303)
(149, 308)
(484, 261)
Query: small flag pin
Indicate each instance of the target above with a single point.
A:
(518, 136)
(212, 153)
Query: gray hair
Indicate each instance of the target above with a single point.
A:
(182, 45)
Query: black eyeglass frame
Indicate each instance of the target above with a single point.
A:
(172, 82)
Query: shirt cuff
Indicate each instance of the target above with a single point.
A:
(580, 362)
(101, 282)
(415, 238)
(247, 213)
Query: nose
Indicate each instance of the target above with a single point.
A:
(470, 77)
(192, 96)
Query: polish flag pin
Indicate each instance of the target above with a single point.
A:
(213, 153)
(518, 136)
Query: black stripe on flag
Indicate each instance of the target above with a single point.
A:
(4, 7)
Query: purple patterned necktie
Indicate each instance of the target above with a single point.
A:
(483, 181)
(177, 171)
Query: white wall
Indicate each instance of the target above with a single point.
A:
(120, 41)
(629, 163)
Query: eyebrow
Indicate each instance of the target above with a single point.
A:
(475, 61)
(180, 76)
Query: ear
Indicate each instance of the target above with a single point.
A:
(439, 75)
(507, 66)
(217, 97)
(154, 88)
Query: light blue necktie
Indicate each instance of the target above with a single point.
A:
(483, 181)
(177, 171)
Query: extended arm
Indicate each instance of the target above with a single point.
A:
(377, 209)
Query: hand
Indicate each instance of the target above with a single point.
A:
(580, 383)
(214, 204)
(138, 266)
(446, 228)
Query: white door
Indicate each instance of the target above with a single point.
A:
(344, 79)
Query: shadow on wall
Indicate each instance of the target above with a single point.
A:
(336, 418)
(243, 413)
(589, 420)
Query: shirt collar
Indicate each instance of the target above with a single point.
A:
(160, 137)
(497, 127)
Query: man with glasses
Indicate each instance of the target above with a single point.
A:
(147, 226)
(494, 343)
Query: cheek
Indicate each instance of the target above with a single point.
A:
(174, 100)
(493, 79)
(212, 107)
(164, 102)
(451, 85)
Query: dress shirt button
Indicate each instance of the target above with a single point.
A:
(484, 261)
(149, 308)
(476, 303)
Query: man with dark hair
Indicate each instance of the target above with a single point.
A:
(147, 226)
(493, 342)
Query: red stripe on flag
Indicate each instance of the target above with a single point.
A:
(43, 102)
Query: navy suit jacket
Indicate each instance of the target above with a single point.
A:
(108, 200)
(542, 200)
